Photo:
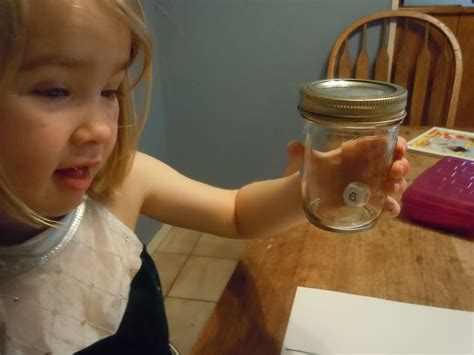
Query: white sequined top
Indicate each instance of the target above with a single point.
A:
(67, 287)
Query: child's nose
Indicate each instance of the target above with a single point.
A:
(97, 126)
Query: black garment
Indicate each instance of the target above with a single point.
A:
(143, 330)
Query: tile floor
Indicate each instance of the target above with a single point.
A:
(194, 269)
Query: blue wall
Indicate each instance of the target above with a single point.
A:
(153, 140)
(227, 79)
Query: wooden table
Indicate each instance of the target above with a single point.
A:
(396, 260)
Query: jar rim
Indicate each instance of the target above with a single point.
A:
(353, 99)
(332, 120)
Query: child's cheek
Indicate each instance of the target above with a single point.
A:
(114, 122)
(114, 113)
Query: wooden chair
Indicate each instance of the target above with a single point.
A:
(426, 60)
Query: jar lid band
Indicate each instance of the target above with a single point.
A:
(353, 99)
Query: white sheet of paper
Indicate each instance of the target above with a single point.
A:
(326, 322)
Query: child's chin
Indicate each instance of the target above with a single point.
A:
(64, 207)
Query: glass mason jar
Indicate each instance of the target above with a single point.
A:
(350, 136)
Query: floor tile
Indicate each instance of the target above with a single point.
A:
(211, 245)
(169, 266)
(179, 240)
(155, 242)
(186, 319)
(203, 278)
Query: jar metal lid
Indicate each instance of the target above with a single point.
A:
(353, 100)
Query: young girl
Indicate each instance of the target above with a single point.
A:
(73, 276)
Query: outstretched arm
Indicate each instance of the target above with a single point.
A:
(260, 209)
(256, 210)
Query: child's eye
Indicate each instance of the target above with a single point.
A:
(52, 93)
(111, 94)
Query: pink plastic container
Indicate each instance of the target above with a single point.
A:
(443, 197)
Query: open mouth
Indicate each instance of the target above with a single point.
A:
(75, 178)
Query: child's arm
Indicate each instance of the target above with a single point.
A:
(256, 210)
(265, 208)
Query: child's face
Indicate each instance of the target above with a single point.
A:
(59, 115)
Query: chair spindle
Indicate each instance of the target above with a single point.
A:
(401, 64)
(382, 59)
(345, 65)
(420, 84)
(362, 62)
(442, 78)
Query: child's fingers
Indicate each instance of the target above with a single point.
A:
(395, 186)
(399, 168)
(391, 208)
(295, 151)
(401, 148)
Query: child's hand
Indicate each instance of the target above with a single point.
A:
(395, 184)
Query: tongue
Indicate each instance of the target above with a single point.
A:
(74, 173)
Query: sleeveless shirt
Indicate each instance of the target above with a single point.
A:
(86, 287)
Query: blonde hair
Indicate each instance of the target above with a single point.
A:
(13, 21)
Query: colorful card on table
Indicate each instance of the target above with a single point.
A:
(444, 142)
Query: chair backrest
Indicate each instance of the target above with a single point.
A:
(430, 67)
